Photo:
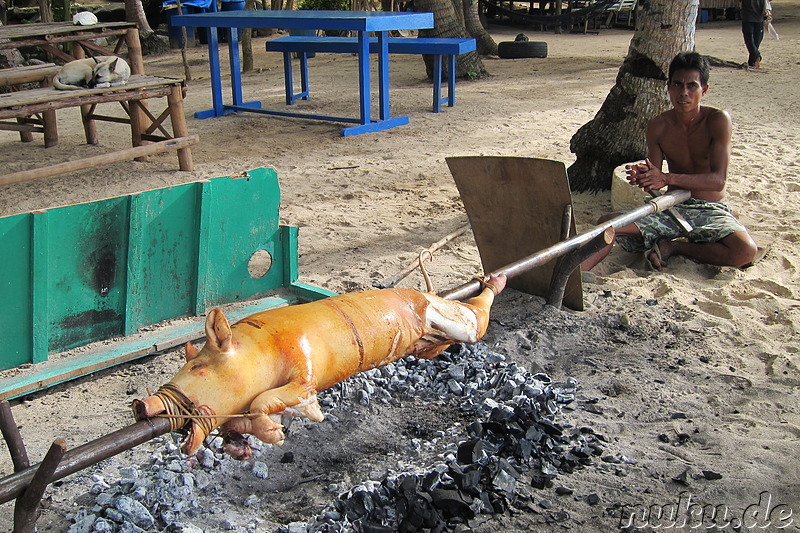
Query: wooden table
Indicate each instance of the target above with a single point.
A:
(48, 34)
(34, 109)
(361, 22)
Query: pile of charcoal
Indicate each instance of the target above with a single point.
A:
(515, 439)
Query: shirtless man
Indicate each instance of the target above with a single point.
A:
(695, 141)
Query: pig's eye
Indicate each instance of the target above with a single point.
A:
(196, 366)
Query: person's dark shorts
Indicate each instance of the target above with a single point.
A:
(712, 222)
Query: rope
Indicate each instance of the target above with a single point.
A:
(179, 408)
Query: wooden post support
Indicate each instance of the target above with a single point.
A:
(19, 456)
(27, 507)
(572, 260)
(179, 129)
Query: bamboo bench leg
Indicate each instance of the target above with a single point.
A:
(137, 124)
(88, 123)
(50, 128)
(24, 136)
(179, 129)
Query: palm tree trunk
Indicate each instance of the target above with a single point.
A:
(472, 22)
(448, 18)
(616, 135)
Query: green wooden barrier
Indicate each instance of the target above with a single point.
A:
(88, 272)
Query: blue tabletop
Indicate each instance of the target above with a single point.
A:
(308, 19)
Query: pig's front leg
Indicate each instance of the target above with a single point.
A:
(295, 399)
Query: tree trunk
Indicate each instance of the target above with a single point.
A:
(472, 22)
(246, 37)
(448, 20)
(134, 12)
(616, 135)
(45, 11)
(151, 43)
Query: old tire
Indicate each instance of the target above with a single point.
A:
(519, 49)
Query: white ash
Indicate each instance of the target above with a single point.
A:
(174, 492)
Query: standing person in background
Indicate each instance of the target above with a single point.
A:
(754, 12)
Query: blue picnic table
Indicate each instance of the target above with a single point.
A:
(362, 22)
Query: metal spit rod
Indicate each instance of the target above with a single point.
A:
(88, 454)
(654, 205)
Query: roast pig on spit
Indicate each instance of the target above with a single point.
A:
(274, 362)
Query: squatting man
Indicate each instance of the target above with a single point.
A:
(695, 140)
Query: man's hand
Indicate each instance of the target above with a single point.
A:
(646, 175)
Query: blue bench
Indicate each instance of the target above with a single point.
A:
(437, 47)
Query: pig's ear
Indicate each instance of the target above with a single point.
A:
(191, 351)
(218, 331)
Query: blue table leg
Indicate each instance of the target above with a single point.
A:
(216, 78)
(288, 80)
(219, 108)
(437, 83)
(383, 74)
(367, 124)
(236, 75)
(233, 58)
(304, 75)
(451, 82)
(363, 76)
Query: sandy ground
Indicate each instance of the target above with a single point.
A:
(709, 353)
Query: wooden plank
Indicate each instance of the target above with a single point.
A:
(516, 206)
(56, 32)
(290, 251)
(309, 292)
(16, 286)
(27, 74)
(99, 160)
(44, 98)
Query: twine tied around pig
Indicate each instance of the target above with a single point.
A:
(181, 410)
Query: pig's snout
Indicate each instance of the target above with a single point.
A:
(149, 407)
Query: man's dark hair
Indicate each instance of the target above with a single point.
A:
(690, 61)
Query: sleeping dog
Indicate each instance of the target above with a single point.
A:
(92, 72)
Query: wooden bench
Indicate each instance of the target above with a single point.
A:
(148, 135)
(437, 47)
(13, 79)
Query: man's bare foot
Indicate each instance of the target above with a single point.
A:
(658, 255)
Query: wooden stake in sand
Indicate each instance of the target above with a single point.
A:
(391, 281)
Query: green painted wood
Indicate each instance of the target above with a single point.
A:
(16, 288)
(40, 321)
(291, 271)
(163, 255)
(203, 232)
(239, 227)
(86, 275)
(136, 251)
(93, 271)
(310, 292)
